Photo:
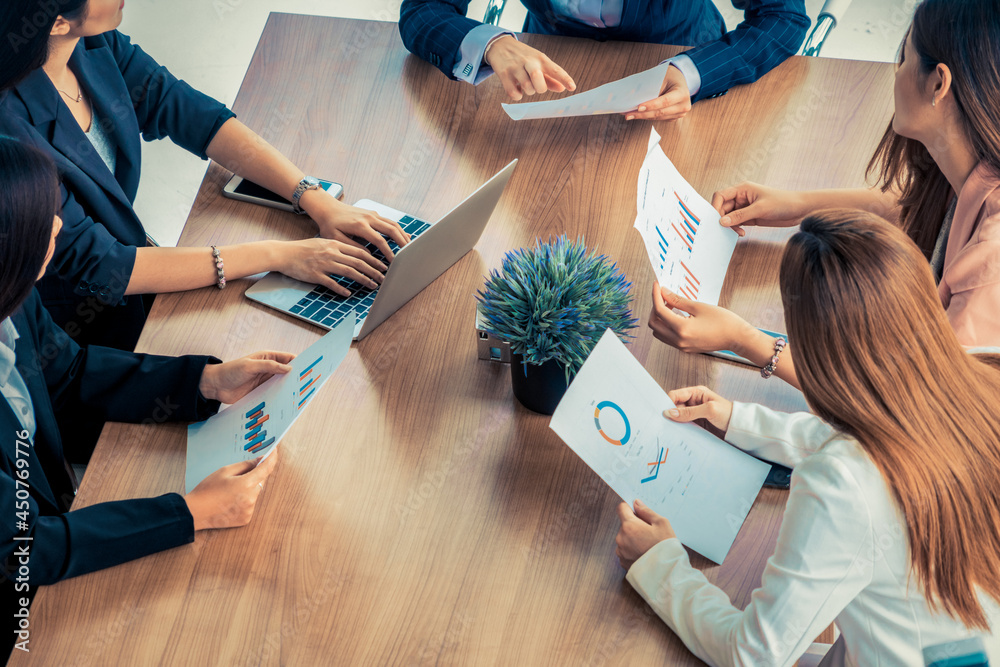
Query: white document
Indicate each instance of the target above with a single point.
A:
(254, 425)
(688, 248)
(612, 417)
(615, 97)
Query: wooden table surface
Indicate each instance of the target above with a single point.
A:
(419, 514)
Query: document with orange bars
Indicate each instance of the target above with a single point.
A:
(687, 246)
(254, 425)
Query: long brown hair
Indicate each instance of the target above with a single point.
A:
(877, 359)
(965, 36)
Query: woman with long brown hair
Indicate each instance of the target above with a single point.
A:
(938, 166)
(892, 527)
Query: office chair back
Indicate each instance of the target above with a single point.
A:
(829, 16)
(827, 20)
(494, 11)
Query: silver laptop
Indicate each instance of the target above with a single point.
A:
(433, 248)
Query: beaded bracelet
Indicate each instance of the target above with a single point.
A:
(219, 267)
(767, 371)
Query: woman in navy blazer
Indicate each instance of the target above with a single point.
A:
(75, 73)
(47, 372)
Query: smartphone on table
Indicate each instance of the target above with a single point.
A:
(244, 190)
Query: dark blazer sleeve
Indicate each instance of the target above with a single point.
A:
(771, 31)
(96, 537)
(122, 385)
(117, 385)
(434, 30)
(164, 105)
(90, 258)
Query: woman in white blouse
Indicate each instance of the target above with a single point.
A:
(892, 527)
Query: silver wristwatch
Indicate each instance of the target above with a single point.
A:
(307, 183)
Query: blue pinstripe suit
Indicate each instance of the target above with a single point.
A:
(771, 31)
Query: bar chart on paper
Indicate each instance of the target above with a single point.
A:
(687, 247)
(254, 425)
(255, 433)
(674, 263)
(307, 383)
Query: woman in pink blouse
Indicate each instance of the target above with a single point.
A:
(939, 178)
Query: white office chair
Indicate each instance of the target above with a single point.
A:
(493, 11)
(827, 20)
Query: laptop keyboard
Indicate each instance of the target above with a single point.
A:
(327, 308)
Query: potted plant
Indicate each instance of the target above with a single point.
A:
(553, 303)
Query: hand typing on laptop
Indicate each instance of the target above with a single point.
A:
(324, 305)
(322, 261)
(342, 222)
(326, 301)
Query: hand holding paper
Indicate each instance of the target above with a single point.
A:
(696, 327)
(642, 529)
(227, 498)
(673, 102)
(612, 417)
(231, 381)
(253, 425)
(615, 97)
(688, 248)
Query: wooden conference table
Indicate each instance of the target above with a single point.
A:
(419, 514)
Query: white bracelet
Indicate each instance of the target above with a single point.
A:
(219, 268)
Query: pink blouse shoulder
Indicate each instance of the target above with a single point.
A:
(970, 283)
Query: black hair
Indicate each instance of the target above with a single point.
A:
(28, 204)
(965, 36)
(25, 26)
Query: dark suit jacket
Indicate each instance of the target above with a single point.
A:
(115, 385)
(130, 94)
(772, 30)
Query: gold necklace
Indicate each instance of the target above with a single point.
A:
(78, 98)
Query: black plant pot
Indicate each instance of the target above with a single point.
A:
(538, 387)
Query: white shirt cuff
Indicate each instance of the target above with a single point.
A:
(471, 67)
(650, 574)
(690, 71)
